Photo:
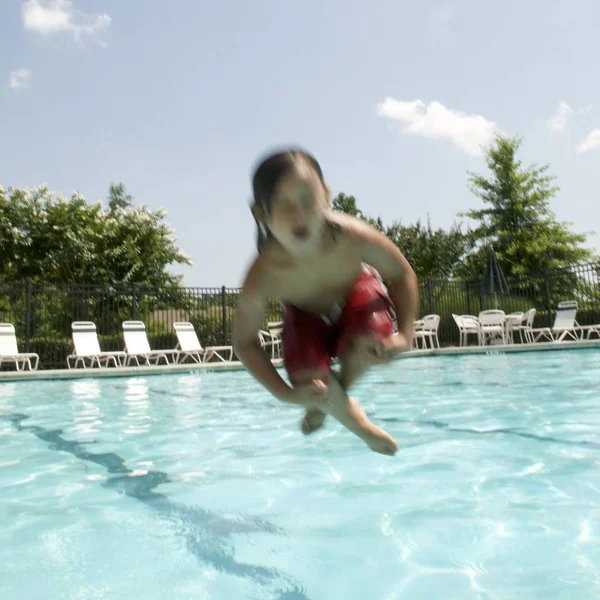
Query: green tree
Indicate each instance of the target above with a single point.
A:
(517, 218)
(434, 253)
(62, 240)
(347, 204)
(118, 198)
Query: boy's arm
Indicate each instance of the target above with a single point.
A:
(249, 316)
(381, 253)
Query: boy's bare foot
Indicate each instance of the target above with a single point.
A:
(376, 438)
(313, 420)
(382, 442)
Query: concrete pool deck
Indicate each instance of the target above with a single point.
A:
(145, 371)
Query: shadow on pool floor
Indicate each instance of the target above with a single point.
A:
(491, 432)
(207, 535)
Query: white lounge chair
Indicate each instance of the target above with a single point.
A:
(85, 342)
(591, 329)
(427, 329)
(564, 325)
(137, 345)
(272, 337)
(9, 350)
(467, 325)
(491, 325)
(189, 345)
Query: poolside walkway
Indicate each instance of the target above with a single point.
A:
(237, 366)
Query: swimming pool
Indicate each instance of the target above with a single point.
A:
(200, 486)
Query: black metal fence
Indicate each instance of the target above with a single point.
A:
(542, 291)
(42, 313)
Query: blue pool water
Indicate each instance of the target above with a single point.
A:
(200, 486)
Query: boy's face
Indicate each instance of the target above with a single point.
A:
(298, 211)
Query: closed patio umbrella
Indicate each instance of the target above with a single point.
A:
(494, 282)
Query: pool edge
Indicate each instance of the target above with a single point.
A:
(122, 371)
(54, 374)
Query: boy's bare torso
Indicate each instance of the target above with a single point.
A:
(314, 285)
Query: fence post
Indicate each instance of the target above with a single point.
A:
(430, 296)
(223, 316)
(547, 295)
(468, 298)
(133, 302)
(28, 317)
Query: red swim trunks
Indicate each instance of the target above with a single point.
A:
(310, 341)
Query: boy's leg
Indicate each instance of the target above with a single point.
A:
(350, 413)
(354, 363)
(365, 323)
(313, 418)
(306, 356)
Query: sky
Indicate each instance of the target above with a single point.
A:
(395, 99)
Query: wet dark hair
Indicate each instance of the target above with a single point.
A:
(267, 175)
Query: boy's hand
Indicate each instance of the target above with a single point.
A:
(310, 395)
(383, 351)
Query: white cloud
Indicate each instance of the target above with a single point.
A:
(468, 132)
(19, 79)
(586, 110)
(590, 142)
(558, 121)
(56, 16)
